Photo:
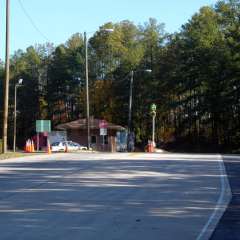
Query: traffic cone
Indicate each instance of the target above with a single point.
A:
(49, 151)
(32, 145)
(28, 146)
(66, 148)
(25, 147)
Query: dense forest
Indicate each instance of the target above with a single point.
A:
(195, 80)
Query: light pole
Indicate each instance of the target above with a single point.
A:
(129, 140)
(87, 85)
(6, 83)
(19, 84)
(87, 89)
(130, 102)
(153, 112)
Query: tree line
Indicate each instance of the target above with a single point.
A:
(194, 80)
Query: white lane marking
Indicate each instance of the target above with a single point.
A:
(219, 202)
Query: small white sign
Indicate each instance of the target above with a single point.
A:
(103, 131)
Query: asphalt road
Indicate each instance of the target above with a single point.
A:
(111, 197)
(229, 226)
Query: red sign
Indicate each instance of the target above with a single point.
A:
(103, 124)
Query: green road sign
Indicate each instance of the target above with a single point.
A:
(43, 126)
(153, 107)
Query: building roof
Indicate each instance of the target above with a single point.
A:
(94, 124)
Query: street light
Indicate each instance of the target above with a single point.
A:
(19, 84)
(129, 140)
(108, 30)
(87, 87)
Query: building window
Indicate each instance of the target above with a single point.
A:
(93, 139)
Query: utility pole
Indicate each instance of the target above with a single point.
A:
(130, 138)
(130, 112)
(87, 86)
(87, 91)
(6, 82)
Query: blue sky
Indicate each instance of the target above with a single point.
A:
(59, 19)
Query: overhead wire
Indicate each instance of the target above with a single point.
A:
(31, 21)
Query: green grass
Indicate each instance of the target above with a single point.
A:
(17, 155)
(11, 155)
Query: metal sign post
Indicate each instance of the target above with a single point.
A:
(153, 127)
(42, 126)
(103, 131)
(153, 113)
(37, 141)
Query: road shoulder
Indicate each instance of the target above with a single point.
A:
(229, 226)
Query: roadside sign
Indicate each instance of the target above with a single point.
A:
(153, 107)
(43, 126)
(103, 124)
(103, 131)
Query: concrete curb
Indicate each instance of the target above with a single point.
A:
(222, 204)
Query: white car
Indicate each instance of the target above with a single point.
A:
(67, 146)
(78, 146)
(58, 147)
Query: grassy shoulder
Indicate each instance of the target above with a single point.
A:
(15, 155)
(11, 155)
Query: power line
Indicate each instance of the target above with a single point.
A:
(31, 21)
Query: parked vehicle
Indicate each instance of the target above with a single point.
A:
(69, 145)
(80, 147)
(58, 147)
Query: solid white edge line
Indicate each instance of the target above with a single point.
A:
(224, 182)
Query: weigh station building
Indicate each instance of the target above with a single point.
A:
(104, 136)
